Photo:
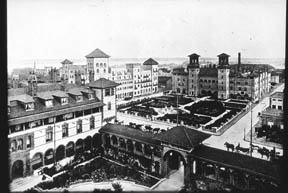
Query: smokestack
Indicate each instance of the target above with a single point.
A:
(239, 58)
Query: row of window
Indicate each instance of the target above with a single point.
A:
(279, 107)
(48, 121)
(19, 145)
(97, 64)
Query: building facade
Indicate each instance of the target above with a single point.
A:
(45, 127)
(219, 81)
(273, 114)
(73, 74)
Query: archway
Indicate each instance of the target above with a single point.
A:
(37, 161)
(60, 152)
(17, 169)
(130, 146)
(114, 140)
(79, 146)
(96, 141)
(70, 149)
(210, 171)
(174, 160)
(88, 143)
(49, 157)
(107, 141)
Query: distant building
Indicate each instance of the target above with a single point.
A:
(273, 115)
(124, 78)
(73, 74)
(220, 81)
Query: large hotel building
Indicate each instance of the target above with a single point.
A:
(222, 80)
(45, 127)
(134, 79)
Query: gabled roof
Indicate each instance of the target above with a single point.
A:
(193, 55)
(183, 137)
(24, 98)
(212, 72)
(150, 61)
(59, 93)
(97, 53)
(45, 95)
(103, 83)
(223, 55)
(131, 133)
(75, 91)
(66, 61)
(232, 159)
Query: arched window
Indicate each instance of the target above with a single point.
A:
(97, 64)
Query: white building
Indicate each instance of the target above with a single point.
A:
(55, 124)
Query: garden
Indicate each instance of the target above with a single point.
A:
(188, 119)
(209, 108)
(222, 120)
(97, 170)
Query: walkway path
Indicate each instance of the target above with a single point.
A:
(173, 183)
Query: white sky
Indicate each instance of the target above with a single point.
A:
(59, 29)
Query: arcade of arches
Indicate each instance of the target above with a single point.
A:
(160, 158)
(21, 167)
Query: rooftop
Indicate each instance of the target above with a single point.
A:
(193, 55)
(150, 61)
(97, 53)
(278, 95)
(131, 133)
(66, 61)
(183, 137)
(103, 83)
(25, 98)
(223, 55)
(235, 160)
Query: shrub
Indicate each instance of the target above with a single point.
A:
(117, 187)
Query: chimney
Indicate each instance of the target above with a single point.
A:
(239, 58)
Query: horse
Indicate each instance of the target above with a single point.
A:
(264, 151)
(242, 149)
(229, 146)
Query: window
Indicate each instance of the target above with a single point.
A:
(231, 88)
(245, 89)
(64, 101)
(49, 134)
(79, 126)
(105, 65)
(69, 116)
(273, 106)
(97, 71)
(246, 83)
(20, 144)
(29, 141)
(90, 96)
(239, 88)
(238, 82)
(79, 98)
(13, 145)
(101, 65)
(107, 92)
(48, 103)
(213, 81)
(279, 107)
(222, 77)
(65, 130)
(97, 64)
(109, 105)
(29, 106)
(92, 122)
(36, 123)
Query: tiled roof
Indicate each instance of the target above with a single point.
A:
(223, 55)
(25, 98)
(183, 137)
(66, 61)
(232, 159)
(213, 72)
(103, 83)
(75, 91)
(279, 95)
(194, 55)
(130, 133)
(97, 53)
(44, 95)
(150, 61)
(59, 93)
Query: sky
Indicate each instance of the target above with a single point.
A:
(59, 29)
